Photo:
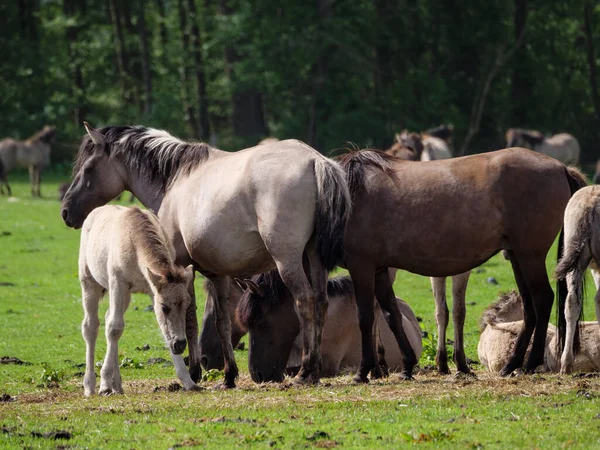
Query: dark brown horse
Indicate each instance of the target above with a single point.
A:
(443, 218)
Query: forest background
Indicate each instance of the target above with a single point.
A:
(328, 72)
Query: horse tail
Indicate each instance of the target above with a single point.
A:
(333, 210)
(566, 263)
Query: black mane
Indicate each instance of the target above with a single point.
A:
(152, 154)
(356, 163)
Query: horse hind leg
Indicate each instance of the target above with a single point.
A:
(438, 285)
(318, 281)
(110, 376)
(91, 295)
(387, 300)
(573, 305)
(459, 311)
(222, 287)
(529, 321)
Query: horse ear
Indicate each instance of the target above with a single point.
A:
(189, 274)
(241, 283)
(97, 137)
(156, 279)
(255, 288)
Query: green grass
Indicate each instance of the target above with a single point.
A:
(40, 316)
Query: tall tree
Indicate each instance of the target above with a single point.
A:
(591, 55)
(184, 71)
(145, 56)
(120, 50)
(74, 11)
(202, 101)
(522, 80)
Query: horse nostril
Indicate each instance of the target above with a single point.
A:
(179, 346)
(64, 213)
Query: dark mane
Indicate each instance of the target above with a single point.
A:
(151, 153)
(531, 136)
(356, 163)
(507, 301)
(443, 132)
(252, 308)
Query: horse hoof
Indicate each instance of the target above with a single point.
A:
(358, 378)
(406, 377)
(444, 371)
(195, 372)
(193, 387)
(309, 379)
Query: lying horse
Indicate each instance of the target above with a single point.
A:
(582, 248)
(563, 146)
(33, 153)
(125, 251)
(443, 218)
(500, 325)
(228, 214)
(266, 310)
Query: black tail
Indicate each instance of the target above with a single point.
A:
(576, 181)
(332, 213)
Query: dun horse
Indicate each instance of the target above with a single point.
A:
(266, 310)
(125, 251)
(230, 214)
(33, 153)
(443, 218)
(563, 146)
(582, 247)
(434, 148)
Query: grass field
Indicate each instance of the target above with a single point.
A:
(42, 403)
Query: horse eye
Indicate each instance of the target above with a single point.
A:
(87, 185)
(165, 309)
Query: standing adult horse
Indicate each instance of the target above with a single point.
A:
(562, 146)
(229, 214)
(443, 218)
(33, 153)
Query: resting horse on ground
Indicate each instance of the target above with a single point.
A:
(443, 218)
(33, 153)
(500, 325)
(266, 310)
(228, 214)
(563, 146)
(125, 251)
(582, 249)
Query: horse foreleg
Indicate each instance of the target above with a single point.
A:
(438, 285)
(32, 178)
(573, 306)
(363, 280)
(110, 376)
(459, 311)
(529, 321)
(222, 286)
(191, 334)
(91, 293)
(387, 300)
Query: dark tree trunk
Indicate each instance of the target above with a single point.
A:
(146, 62)
(522, 82)
(203, 122)
(120, 50)
(248, 117)
(591, 56)
(28, 21)
(184, 71)
(164, 38)
(75, 9)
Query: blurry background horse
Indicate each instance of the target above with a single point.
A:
(33, 153)
(563, 146)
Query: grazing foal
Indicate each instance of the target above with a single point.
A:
(125, 251)
(33, 153)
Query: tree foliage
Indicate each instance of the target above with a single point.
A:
(328, 72)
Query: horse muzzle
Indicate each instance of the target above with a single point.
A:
(178, 346)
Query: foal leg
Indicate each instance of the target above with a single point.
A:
(438, 285)
(191, 334)
(222, 286)
(91, 294)
(459, 291)
(573, 306)
(110, 377)
(363, 280)
(529, 321)
(387, 300)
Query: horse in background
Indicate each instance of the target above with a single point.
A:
(266, 311)
(410, 148)
(596, 179)
(434, 148)
(33, 153)
(563, 146)
(582, 249)
(125, 251)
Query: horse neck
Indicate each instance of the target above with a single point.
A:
(152, 247)
(148, 193)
